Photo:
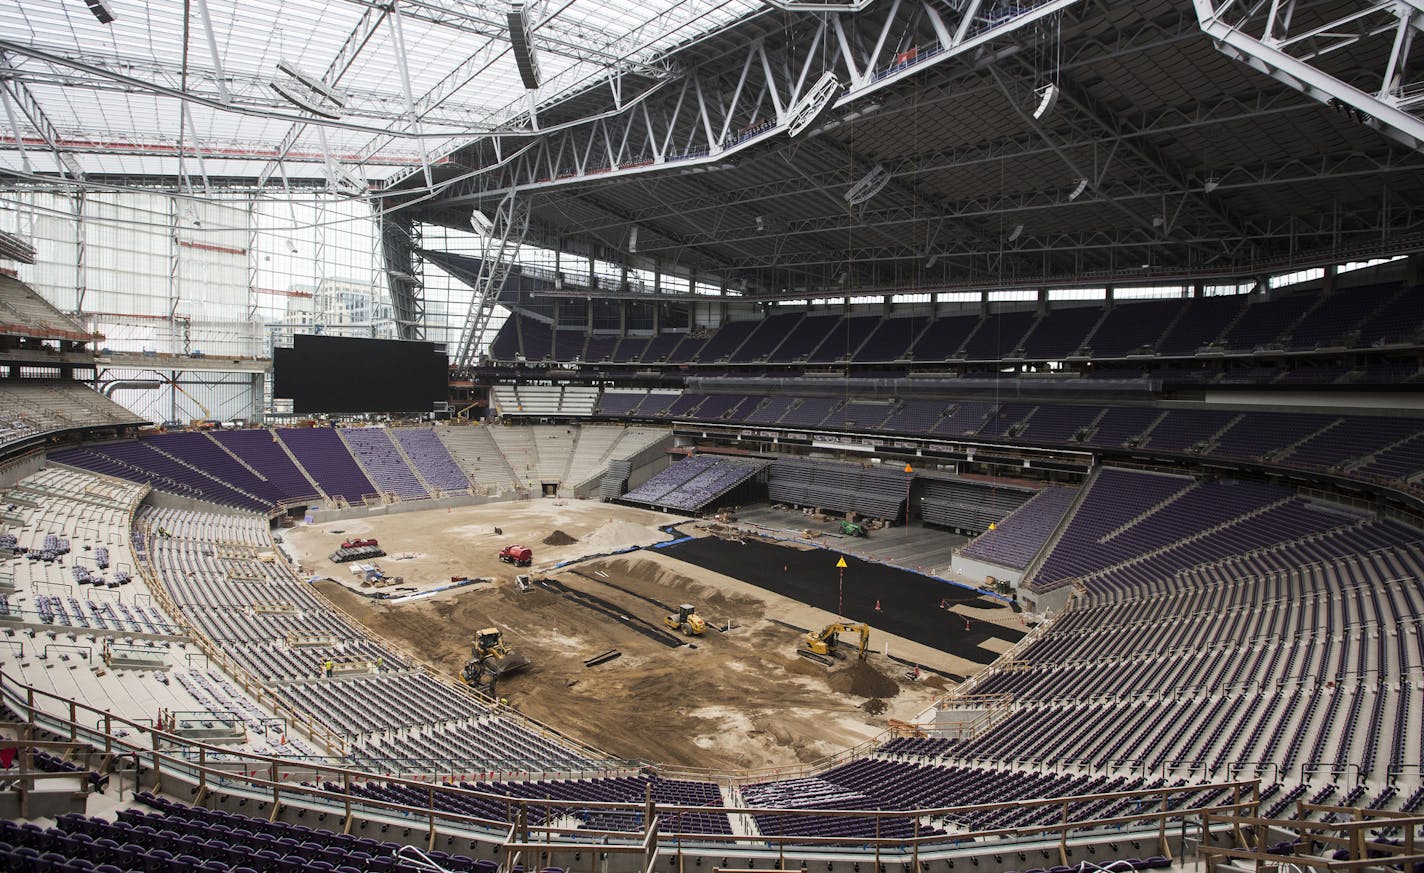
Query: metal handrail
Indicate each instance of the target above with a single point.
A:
(169, 757)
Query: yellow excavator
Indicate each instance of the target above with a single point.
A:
(825, 646)
(490, 661)
(687, 620)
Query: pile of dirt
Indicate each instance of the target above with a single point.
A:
(863, 680)
(618, 534)
(559, 538)
(874, 706)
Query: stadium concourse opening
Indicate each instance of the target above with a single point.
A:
(899, 602)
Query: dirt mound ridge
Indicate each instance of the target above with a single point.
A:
(559, 538)
(863, 680)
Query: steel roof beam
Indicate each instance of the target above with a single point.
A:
(34, 113)
(497, 254)
(1263, 39)
(1323, 168)
(351, 47)
(780, 70)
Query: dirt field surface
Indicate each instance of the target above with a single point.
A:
(738, 697)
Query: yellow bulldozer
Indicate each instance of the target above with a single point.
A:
(825, 645)
(687, 620)
(490, 661)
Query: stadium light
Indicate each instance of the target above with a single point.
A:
(1211, 184)
(101, 10)
(481, 222)
(633, 239)
(521, 40)
(1017, 232)
(1078, 191)
(1047, 99)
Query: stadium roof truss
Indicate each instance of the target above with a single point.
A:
(802, 147)
(1163, 154)
(206, 83)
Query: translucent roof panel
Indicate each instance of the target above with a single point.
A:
(415, 83)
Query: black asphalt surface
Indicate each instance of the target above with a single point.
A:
(910, 604)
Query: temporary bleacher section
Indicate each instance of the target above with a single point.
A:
(969, 505)
(373, 708)
(1016, 540)
(696, 482)
(598, 447)
(545, 401)
(871, 490)
(31, 408)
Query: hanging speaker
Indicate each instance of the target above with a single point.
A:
(521, 39)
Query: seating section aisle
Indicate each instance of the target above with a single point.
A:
(273, 627)
(1128, 528)
(200, 450)
(378, 456)
(429, 457)
(260, 449)
(1266, 656)
(73, 571)
(323, 454)
(140, 462)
